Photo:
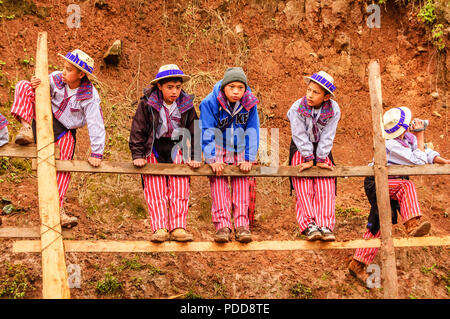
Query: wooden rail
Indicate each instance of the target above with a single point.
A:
(231, 170)
(142, 246)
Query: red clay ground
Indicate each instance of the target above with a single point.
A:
(279, 43)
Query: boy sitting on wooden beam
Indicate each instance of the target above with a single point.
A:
(404, 146)
(75, 103)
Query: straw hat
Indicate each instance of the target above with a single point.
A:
(170, 71)
(323, 79)
(80, 60)
(396, 122)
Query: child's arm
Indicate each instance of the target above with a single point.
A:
(401, 155)
(440, 160)
(139, 134)
(251, 140)
(327, 138)
(299, 134)
(420, 136)
(209, 130)
(96, 129)
(195, 159)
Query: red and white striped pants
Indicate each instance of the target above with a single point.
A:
(160, 190)
(405, 192)
(23, 107)
(221, 199)
(315, 198)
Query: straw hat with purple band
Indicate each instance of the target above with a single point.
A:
(323, 79)
(396, 122)
(81, 61)
(170, 71)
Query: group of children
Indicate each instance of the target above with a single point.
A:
(229, 128)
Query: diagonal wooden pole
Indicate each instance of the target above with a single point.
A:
(387, 252)
(54, 273)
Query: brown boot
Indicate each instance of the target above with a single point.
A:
(358, 270)
(243, 235)
(180, 234)
(68, 221)
(160, 236)
(25, 135)
(416, 229)
(222, 235)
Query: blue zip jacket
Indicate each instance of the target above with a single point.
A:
(239, 127)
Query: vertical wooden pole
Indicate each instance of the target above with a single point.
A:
(54, 273)
(387, 252)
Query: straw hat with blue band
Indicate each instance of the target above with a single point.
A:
(323, 79)
(170, 71)
(81, 61)
(396, 122)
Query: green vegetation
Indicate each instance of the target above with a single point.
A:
(427, 13)
(192, 295)
(110, 285)
(437, 34)
(16, 283)
(346, 212)
(427, 270)
(301, 291)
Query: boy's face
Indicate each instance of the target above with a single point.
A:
(234, 91)
(71, 75)
(170, 90)
(316, 95)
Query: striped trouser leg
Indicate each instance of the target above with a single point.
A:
(220, 202)
(178, 197)
(240, 200)
(325, 200)
(24, 101)
(304, 190)
(367, 255)
(67, 147)
(405, 192)
(155, 194)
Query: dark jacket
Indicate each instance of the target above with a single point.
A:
(145, 121)
(373, 223)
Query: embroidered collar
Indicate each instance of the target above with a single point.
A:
(248, 100)
(84, 91)
(184, 101)
(407, 140)
(325, 113)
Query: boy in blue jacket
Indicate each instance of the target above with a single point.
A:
(230, 135)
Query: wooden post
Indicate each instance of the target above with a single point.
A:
(54, 273)
(387, 252)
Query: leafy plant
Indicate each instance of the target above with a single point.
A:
(427, 13)
(109, 285)
(427, 270)
(16, 283)
(192, 295)
(437, 34)
(301, 291)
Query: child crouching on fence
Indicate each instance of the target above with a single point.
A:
(4, 136)
(75, 102)
(404, 146)
(163, 111)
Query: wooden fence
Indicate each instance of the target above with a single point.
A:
(52, 246)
